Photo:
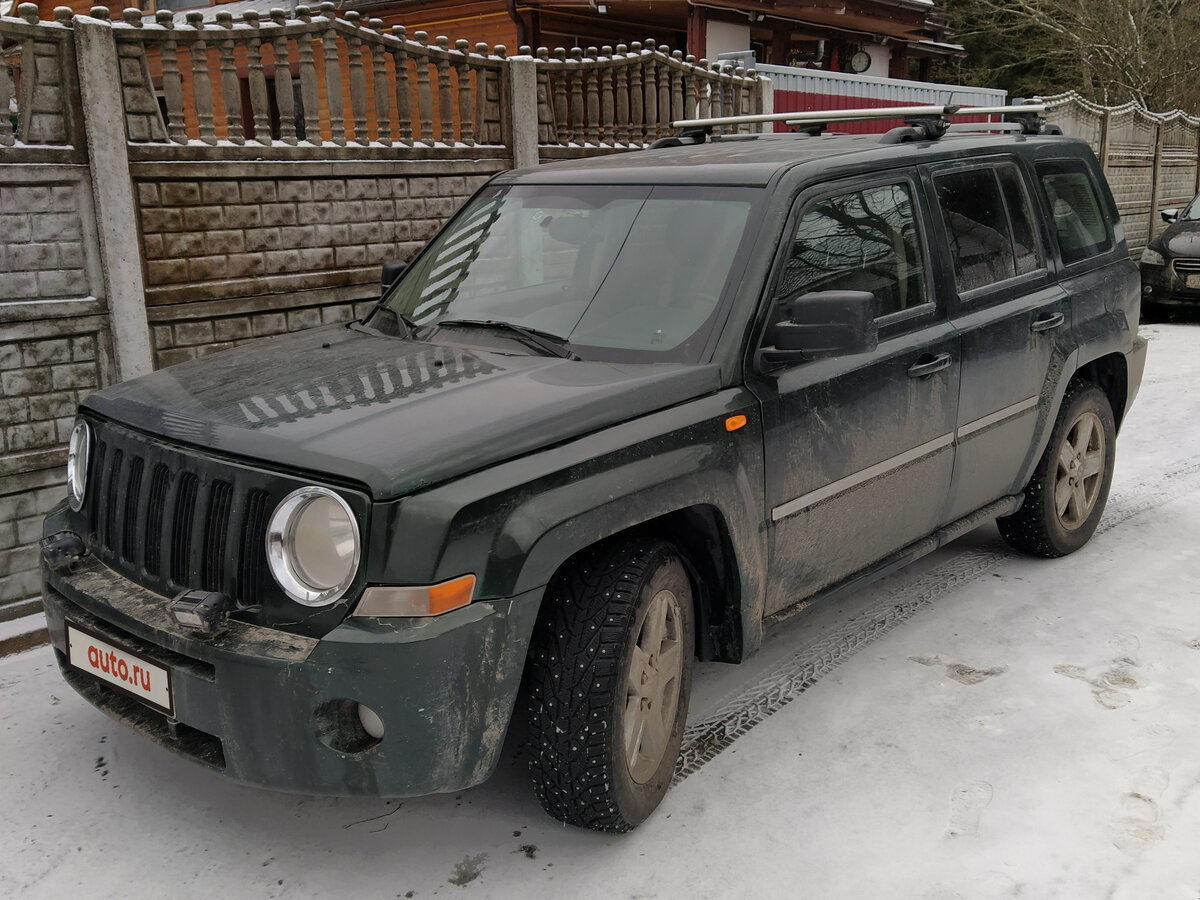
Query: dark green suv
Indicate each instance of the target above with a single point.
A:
(618, 415)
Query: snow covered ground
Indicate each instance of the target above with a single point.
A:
(980, 725)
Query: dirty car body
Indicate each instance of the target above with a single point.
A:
(1171, 261)
(619, 414)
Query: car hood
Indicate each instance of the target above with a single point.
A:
(1180, 239)
(395, 415)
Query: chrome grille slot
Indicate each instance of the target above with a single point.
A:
(1186, 266)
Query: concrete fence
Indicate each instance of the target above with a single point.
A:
(1152, 160)
(172, 187)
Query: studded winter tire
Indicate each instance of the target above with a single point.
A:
(609, 678)
(1066, 495)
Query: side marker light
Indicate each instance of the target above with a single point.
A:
(733, 423)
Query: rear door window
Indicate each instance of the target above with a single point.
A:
(1079, 220)
(988, 226)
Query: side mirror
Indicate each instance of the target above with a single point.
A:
(1170, 216)
(392, 270)
(830, 323)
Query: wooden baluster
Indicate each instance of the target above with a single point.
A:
(333, 77)
(403, 100)
(383, 98)
(172, 81)
(424, 131)
(462, 72)
(259, 104)
(677, 105)
(445, 98)
(309, 94)
(621, 97)
(704, 90)
(593, 97)
(201, 83)
(650, 110)
(231, 92)
(501, 117)
(663, 125)
(575, 74)
(606, 96)
(483, 84)
(358, 81)
(636, 131)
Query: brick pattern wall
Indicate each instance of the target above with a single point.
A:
(55, 348)
(269, 248)
(41, 241)
(273, 228)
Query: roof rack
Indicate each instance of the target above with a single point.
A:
(932, 121)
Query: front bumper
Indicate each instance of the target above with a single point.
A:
(1161, 285)
(256, 703)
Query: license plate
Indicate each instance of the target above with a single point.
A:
(1192, 281)
(129, 672)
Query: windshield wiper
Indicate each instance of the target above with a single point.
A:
(543, 340)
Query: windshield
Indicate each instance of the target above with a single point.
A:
(1192, 213)
(623, 273)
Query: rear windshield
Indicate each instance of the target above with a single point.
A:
(621, 272)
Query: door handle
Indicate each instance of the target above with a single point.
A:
(1045, 323)
(927, 365)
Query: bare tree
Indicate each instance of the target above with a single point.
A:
(1111, 51)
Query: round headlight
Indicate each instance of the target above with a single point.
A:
(313, 546)
(77, 462)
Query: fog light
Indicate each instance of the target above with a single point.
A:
(62, 550)
(371, 723)
(1147, 289)
(206, 611)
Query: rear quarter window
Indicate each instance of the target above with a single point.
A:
(1079, 220)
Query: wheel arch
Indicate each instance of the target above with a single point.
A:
(701, 536)
(1111, 374)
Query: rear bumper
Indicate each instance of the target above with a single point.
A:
(277, 710)
(1135, 366)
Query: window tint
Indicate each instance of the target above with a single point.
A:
(981, 241)
(864, 240)
(1078, 219)
(1027, 254)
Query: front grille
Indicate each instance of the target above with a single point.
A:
(1186, 266)
(171, 521)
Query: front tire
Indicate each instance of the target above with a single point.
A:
(1065, 497)
(609, 679)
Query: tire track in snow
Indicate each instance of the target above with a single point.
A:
(714, 732)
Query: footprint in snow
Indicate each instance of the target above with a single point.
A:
(959, 672)
(966, 806)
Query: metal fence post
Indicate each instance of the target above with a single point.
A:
(1160, 134)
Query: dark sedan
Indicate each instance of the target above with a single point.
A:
(1171, 261)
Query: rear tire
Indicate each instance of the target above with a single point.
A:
(1065, 498)
(609, 679)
